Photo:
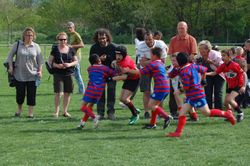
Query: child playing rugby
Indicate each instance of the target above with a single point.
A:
(156, 69)
(195, 95)
(98, 74)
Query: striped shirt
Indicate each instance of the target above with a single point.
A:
(97, 80)
(157, 70)
(190, 80)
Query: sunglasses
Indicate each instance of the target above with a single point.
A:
(62, 39)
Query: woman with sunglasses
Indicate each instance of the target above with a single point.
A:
(63, 60)
(28, 69)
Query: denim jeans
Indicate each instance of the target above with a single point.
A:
(78, 77)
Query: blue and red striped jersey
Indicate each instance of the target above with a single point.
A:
(157, 70)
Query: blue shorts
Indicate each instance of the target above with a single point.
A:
(198, 103)
(160, 96)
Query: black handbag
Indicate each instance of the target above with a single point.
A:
(11, 79)
(49, 68)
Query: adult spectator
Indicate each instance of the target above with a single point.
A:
(247, 53)
(181, 42)
(63, 60)
(105, 48)
(144, 52)
(77, 43)
(139, 37)
(212, 59)
(28, 69)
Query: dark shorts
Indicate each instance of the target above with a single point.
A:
(63, 84)
(130, 85)
(145, 83)
(236, 89)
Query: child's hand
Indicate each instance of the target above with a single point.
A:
(114, 64)
(204, 82)
(242, 90)
(125, 70)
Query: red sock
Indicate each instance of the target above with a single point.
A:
(217, 113)
(181, 124)
(159, 111)
(153, 118)
(194, 115)
(84, 108)
(85, 118)
(90, 113)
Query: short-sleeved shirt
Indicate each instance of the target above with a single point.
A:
(60, 58)
(187, 45)
(28, 60)
(248, 62)
(233, 74)
(97, 81)
(128, 62)
(157, 70)
(190, 80)
(144, 51)
(109, 50)
(75, 39)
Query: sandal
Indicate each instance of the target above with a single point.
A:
(67, 115)
(30, 116)
(17, 114)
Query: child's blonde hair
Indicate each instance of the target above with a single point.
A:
(239, 50)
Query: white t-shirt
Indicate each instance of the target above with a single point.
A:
(144, 51)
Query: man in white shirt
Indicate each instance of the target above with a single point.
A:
(144, 53)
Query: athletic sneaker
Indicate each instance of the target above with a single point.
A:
(96, 121)
(81, 125)
(133, 120)
(122, 105)
(167, 121)
(240, 117)
(149, 126)
(138, 111)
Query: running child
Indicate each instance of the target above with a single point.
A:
(178, 90)
(98, 74)
(195, 95)
(235, 82)
(156, 69)
(131, 81)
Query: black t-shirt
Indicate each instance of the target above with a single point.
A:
(248, 62)
(109, 50)
(60, 58)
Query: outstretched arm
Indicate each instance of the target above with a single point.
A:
(213, 73)
(120, 77)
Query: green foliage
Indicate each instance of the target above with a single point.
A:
(218, 21)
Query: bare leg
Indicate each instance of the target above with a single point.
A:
(57, 104)
(66, 100)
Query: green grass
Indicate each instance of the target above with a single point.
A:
(45, 140)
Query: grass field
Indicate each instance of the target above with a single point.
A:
(45, 140)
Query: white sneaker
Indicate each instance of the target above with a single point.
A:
(122, 105)
(81, 125)
(96, 121)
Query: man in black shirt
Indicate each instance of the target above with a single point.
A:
(106, 50)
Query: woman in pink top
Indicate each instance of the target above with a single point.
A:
(212, 59)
